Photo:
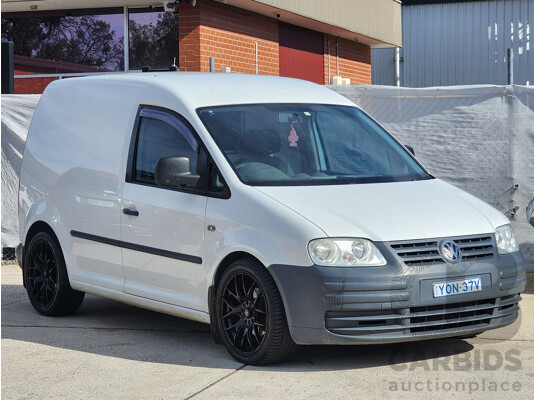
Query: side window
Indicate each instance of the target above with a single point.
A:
(162, 136)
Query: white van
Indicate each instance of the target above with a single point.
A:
(272, 208)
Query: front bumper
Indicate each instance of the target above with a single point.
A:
(395, 303)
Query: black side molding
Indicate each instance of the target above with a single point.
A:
(96, 238)
(128, 211)
(138, 247)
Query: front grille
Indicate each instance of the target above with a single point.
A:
(431, 318)
(425, 252)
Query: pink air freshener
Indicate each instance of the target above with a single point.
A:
(293, 138)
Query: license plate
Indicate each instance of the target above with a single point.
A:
(468, 285)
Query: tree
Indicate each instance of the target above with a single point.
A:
(83, 40)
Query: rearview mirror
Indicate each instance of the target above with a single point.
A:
(175, 171)
(410, 148)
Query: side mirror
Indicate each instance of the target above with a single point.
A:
(175, 171)
(410, 148)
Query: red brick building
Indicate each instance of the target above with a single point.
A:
(313, 40)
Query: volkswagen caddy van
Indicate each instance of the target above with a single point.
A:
(273, 209)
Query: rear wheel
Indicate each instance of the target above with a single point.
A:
(250, 314)
(47, 283)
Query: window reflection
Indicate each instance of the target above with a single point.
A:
(82, 43)
(90, 40)
(153, 38)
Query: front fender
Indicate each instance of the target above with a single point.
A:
(254, 223)
(244, 241)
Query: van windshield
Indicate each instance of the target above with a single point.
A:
(307, 144)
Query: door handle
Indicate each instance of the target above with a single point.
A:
(128, 211)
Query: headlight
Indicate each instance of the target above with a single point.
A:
(345, 253)
(506, 239)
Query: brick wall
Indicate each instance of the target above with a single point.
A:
(189, 38)
(228, 34)
(354, 60)
(30, 85)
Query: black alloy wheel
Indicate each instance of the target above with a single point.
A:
(46, 279)
(244, 312)
(250, 314)
(42, 277)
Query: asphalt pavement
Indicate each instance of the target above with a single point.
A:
(109, 350)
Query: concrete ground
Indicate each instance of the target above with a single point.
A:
(108, 350)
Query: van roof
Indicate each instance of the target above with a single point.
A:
(198, 89)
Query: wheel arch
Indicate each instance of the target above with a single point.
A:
(227, 261)
(39, 226)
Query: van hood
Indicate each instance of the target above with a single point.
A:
(390, 211)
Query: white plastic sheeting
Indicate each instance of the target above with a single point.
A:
(479, 138)
(17, 112)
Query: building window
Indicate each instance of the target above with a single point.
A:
(90, 42)
(153, 38)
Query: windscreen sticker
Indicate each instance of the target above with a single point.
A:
(293, 138)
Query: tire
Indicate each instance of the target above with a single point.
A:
(45, 274)
(250, 314)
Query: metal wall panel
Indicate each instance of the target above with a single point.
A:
(461, 43)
